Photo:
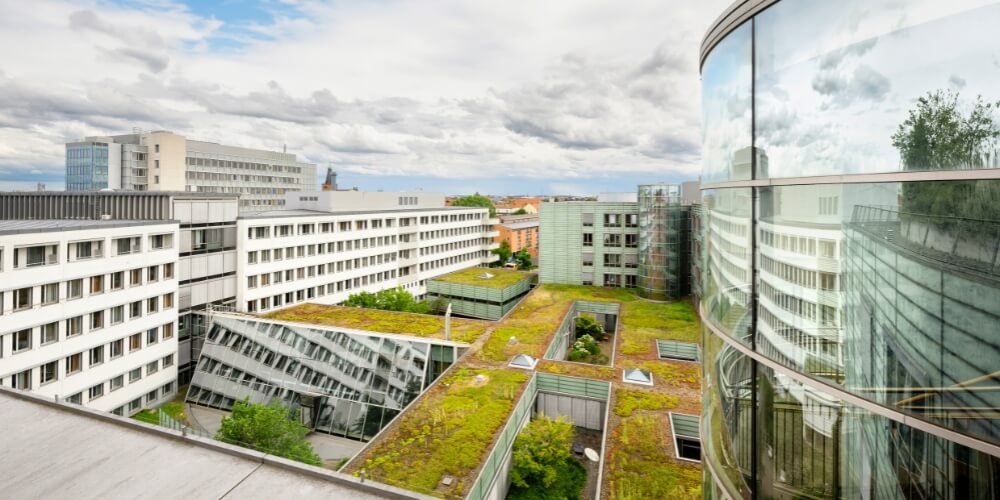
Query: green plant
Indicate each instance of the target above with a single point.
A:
(503, 252)
(268, 428)
(586, 325)
(539, 449)
(627, 401)
(523, 260)
(475, 200)
(393, 299)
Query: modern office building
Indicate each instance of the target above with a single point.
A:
(331, 244)
(164, 161)
(88, 311)
(632, 240)
(849, 251)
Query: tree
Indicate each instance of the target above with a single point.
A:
(269, 429)
(938, 135)
(586, 325)
(523, 259)
(475, 200)
(503, 251)
(367, 300)
(540, 451)
(393, 299)
(520, 211)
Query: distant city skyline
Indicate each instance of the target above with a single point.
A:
(575, 98)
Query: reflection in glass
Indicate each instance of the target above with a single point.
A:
(662, 227)
(727, 273)
(347, 384)
(837, 82)
(727, 414)
(726, 103)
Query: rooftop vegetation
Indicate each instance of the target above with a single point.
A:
(445, 433)
(640, 461)
(402, 323)
(502, 278)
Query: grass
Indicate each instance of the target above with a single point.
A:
(374, 320)
(447, 433)
(148, 416)
(629, 400)
(502, 278)
(640, 464)
(644, 322)
(674, 373)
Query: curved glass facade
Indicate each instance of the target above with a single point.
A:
(662, 228)
(853, 323)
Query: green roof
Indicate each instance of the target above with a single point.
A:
(501, 278)
(374, 320)
(685, 425)
(671, 349)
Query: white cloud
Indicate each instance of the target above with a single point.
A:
(553, 90)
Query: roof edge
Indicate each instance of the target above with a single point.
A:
(733, 17)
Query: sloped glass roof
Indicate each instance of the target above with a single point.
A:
(637, 376)
(523, 361)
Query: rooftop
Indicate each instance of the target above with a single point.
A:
(268, 214)
(374, 320)
(520, 225)
(450, 429)
(66, 451)
(22, 226)
(474, 276)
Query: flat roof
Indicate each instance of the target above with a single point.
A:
(520, 225)
(123, 192)
(270, 214)
(23, 226)
(65, 451)
(473, 276)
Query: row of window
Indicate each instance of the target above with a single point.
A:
(453, 231)
(74, 363)
(310, 293)
(447, 261)
(612, 220)
(613, 240)
(166, 391)
(51, 333)
(289, 275)
(52, 293)
(799, 244)
(447, 247)
(288, 230)
(612, 280)
(43, 255)
(195, 175)
(245, 165)
(796, 275)
(262, 256)
(630, 261)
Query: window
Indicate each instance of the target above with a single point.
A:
(631, 220)
(631, 241)
(687, 437)
(135, 277)
(135, 342)
(96, 320)
(151, 397)
(134, 375)
(117, 383)
(96, 355)
(129, 245)
(49, 371)
(156, 149)
(135, 309)
(153, 274)
(74, 363)
(207, 239)
(612, 260)
(587, 259)
(96, 391)
(96, 284)
(135, 404)
(252, 281)
(22, 298)
(588, 239)
(21, 380)
(117, 348)
(74, 289)
(152, 305)
(86, 250)
(631, 281)
(168, 271)
(75, 398)
(167, 361)
(50, 333)
(612, 220)
(827, 249)
(612, 280)
(160, 241)
(118, 280)
(152, 367)
(827, 281)
(117, 314)
(631, 260)
(22, 340)
(74, 326)
(168, 331)
(613, 240)
(35, 256)
(152, 336)
(587, 220)
(50, 293)
(168, 300)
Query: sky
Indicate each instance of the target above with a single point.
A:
(500, 97)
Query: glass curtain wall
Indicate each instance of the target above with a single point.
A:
(852, 333)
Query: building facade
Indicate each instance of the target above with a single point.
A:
(88, 311)
(631, 240)
(164, 161)
(520, 235)
(848, 252)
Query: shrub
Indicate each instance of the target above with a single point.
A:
(539, 452)
(269, 429)
(585, 325)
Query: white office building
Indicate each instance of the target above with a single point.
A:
(165, 161)
(88, 311)
(329, 245)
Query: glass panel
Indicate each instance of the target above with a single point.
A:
(727, 414)
(725, 96)
(840, 88)
(726, 287)
(902, 306)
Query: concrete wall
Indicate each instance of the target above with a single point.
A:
(171, 157)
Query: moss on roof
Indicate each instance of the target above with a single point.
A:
(402, 323)
(502, 278)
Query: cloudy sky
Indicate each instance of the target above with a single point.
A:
(510, 96)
